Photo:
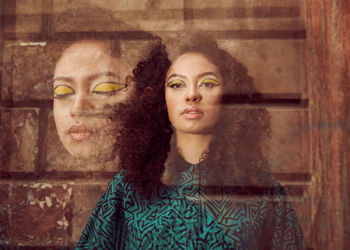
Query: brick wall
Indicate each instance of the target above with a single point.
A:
(47, 195)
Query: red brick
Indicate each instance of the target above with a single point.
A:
(41, 214)
(248, 24)
(85, 200)
(275, 65)
(4, 214)
(5, 140)
(20, 137)
(27, 15)
(132, 50)
(28, 23)
(28, 69)
(247, 15)
(118, 16)
(288, 152)
(243, 3)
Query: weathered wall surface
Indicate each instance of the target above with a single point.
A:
(47, 195)
(328, 77)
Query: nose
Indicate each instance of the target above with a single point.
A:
(193, 96)
(82, 105)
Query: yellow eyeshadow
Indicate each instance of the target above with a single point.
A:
(63, 90)
(176, 83)
(108, 87)
(212, 81)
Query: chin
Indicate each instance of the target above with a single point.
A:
(197, 131)
(92, 150)
(196, 127)
(81, 154)
(89, 153)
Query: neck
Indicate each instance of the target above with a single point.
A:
(192, 146)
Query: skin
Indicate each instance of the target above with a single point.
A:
(88, 81)
(193, 95)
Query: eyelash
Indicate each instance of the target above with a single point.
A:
(107, 92)
(60, 96)
(110, 91)
(209, 83)
(176, 84)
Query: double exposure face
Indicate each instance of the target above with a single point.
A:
(88, 81)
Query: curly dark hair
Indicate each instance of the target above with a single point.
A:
(236, 148)
(143, 142)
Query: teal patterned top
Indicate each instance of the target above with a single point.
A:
(187, 216)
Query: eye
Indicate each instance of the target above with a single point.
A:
(210, 83)
(176, 84)
(108, 88)
(62, 91)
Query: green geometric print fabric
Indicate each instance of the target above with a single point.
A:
(186, 217)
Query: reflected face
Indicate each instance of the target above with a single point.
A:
(88, 81)
(193, 93)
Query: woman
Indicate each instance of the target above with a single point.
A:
(214, 192)
(89, 79)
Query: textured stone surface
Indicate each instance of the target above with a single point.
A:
(58, 158)
(85, 200)
(20, 135)
(244, 3)
(276, 66)
(247, 15)
(23, 16)
(327, 62)
(29, 15)
(4, 214)
(5, 140)
(28, 69)
(30, 7)
(247, 23)
(303, 208)
(109, 15)
(131, 51)
(129, 5)
(41, 214)
(289, 152)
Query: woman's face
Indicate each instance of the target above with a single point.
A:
(87, 83)
(193, 91)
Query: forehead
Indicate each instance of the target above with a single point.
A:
(193, 63)
(87, 55)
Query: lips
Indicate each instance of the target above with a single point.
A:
(79, 132)
(192, 113)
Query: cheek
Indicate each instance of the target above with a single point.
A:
(214, 98)
(103, 102)
(60, 114)
(171, 104)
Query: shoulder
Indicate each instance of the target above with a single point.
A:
(99, 233)
(119, 180)
(117, 186)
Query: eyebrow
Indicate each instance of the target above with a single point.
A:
(206, 74)
(199, 76)
(176, 75)
(90, 78)
(98, 75)
(62, 78)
